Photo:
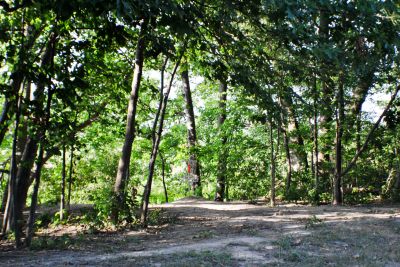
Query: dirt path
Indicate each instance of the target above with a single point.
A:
(204, 233)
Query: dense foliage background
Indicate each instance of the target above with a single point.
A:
(277, 91)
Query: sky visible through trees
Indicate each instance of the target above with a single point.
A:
(128, 103)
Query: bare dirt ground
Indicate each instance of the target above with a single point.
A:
(196, 232)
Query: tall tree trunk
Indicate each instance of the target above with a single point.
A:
(284, 110)
(289, 162)
(23, 131)
(6, 114)
(28, 157)
(337, 187)
(163, 177)
(160, 100)
(4, 118)
(5, 196)
(272, 159)
(315, 145)
(366, 68)
(71, 169)
(21, 138)
(298, 155)
(32, 210)
(325, 158)
(154, 151)
(396, 187)
(39, 164)
(222, 157)
(191, 129)
(63, 176)
(18, 76)
(9, 220)
(125, 159)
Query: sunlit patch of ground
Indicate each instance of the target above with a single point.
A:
(197, 232)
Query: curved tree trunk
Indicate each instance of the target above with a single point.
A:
(154, 151)
(39, 164)
(9, 219)
(124, 162)
(23, 180)
(32, 210)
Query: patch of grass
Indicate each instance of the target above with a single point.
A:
(56, 220)
(59, 242)
(252, 232)
(204, 235)
(189, 259)
(285, 242)
(294, 256)
(159, 217)
(372, 244)
(313, 222)
(288, 251)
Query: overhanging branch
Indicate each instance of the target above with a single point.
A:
(371, 132)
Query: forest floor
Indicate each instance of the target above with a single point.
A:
(196, 232)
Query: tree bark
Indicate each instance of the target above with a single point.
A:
(284, 111)
(325, 158)
(291, 123)
(39, 164)
(315, 145)
(17, 79)
(32, 210)
(194, 167)
(4, 119)
(154, 151)
(71, 169)
(124, 161)
(272, 159)
(10, 221)
(5, 195)
(6, 115)
(221, 171)
(23, 131)
(163, 177)
(289, 162)
(63, 176)
(337, 185)
(28, 157)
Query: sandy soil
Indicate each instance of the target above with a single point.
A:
(196, 232)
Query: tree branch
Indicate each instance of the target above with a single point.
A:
(79, 128)
(371, 132)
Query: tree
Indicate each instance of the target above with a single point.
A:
(193, 164)
(154, 151)
(221, 174)
(124, 161)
